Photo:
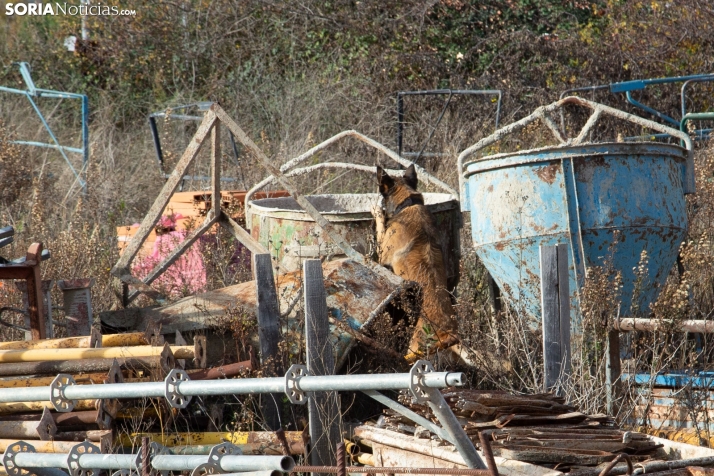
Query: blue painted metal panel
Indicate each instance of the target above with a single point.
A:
(581, 196)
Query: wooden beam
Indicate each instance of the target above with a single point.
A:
(323, 407)
(241, 235)
(120, 269)
(268, 333)
(166, 263)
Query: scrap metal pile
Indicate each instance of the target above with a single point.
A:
(91, 360)
(540, 429)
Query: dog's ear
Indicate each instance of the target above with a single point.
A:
(410, 177)
(385, 181)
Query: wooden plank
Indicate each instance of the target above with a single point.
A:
(550, 314)
(268, 333)
(120, 269)
(322, 406)
(216, 169)
(613, 372)
(564, 300)
(241, 235)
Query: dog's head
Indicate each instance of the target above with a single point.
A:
(396, 190)
(388, 185)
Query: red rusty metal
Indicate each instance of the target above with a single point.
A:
(30, 271)
(614, 462)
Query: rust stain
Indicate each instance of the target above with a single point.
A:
(500, 246)
(490, 188)
(548, 173)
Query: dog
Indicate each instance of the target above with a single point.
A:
(408, 243)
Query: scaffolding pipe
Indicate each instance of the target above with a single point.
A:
(227, 463)
(187, 388)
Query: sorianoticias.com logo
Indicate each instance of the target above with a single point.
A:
(21, 9)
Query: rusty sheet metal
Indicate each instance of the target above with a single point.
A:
(355, 295)
(282, 226)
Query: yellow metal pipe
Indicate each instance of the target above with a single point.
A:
(41, 355)
(20, 382)
(42, 446)
(63, 343)
(124, 340)
(209, 438)
(32, 407)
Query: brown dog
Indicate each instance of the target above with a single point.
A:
(408, 243)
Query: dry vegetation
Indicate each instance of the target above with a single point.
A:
(295, 73)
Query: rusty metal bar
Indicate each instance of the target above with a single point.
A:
(553, 127)
(392, 470)
(485, 439)
(614, 462)
(588, 126)
(34, 292)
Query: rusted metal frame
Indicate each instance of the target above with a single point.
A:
(553, 127)
(373, 143)
(240, 234)
(485, 439)
(341, 457)
(423, 174)
(588, 126)
(406, 412)
(392, 470)
(175, 254)
(351, 253)
(121, 268)
(462, 162)
(34, 292)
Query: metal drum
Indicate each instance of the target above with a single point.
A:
(291, 234)
(607, 201)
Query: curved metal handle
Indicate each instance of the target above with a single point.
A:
(423, 174)
(598, 109)
(311, 168)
